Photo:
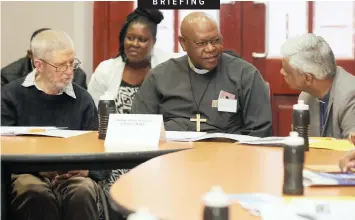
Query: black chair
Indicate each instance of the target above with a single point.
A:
(232, 53)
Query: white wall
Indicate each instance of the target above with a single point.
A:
(20, 19)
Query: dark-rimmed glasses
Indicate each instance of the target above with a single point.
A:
(62, 68)
(202, 44)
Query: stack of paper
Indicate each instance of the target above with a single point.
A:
(271, 207)
(312, 178)
(314, 142)
(17, 130)
(323, 168)
(331, 144)
(268, 141)
(40, 131)
(183, 135)
(198, 136)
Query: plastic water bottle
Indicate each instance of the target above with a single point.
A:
(142, 214)
(216, 205)
(293, 165)
(301, 121)
(106, 107)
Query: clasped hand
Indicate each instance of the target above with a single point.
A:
(57, 177)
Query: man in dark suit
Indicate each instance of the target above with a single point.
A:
(24, 66)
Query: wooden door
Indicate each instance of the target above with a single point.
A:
(108, 20)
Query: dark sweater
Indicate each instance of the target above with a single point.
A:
(28, 106)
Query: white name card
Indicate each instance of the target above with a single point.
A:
(227, 105)
(134, 132)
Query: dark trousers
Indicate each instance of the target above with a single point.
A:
(34, 198)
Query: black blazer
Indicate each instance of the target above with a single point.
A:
(23, 67)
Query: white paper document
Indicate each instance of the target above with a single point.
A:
(18, 130)
(277, 141)
(134, 132)
(254, 202)
(190, 136)
(63, 133)
(183, 135)
(235, 137)
(310, 209)
(227, 105)
(40, 131)
(271, 207)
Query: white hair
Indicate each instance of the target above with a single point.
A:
(310, 53)
(50, 41)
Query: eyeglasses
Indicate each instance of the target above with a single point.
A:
(202, 44)
(62, 68)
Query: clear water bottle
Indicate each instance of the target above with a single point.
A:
(106, 107)
(301, 121)
(216, 205)
(142, 214)
(293, 164)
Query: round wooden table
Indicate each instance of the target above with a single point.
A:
(82, 144)
(22, 154)
(171, 186)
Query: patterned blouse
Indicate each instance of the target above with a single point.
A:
(125, 97)
(123, 101)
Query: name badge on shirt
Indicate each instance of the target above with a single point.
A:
(227, 102)
(227, 105)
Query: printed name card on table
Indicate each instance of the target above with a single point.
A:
(134, 132)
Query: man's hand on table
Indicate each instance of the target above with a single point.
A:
(347, 163)
(352, 137)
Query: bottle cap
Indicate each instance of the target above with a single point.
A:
(294, 139)
(301, 106)
(216, 198)
(142, 214)
(106, 96)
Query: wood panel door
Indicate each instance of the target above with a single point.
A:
(108, 20)
(231, 26)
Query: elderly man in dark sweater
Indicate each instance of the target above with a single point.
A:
(47, 97)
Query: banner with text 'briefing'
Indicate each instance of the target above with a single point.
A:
(179, 4)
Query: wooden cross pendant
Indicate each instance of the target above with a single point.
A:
(198, 121)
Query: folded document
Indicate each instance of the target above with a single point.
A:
(18, 130)
(199, 136)
(40, 131)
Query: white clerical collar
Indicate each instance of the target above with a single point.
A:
(198, 71)
(30, 80)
